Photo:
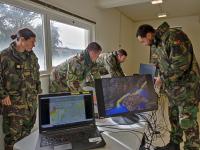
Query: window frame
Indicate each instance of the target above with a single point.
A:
(49, 14)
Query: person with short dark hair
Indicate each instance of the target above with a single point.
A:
(110, 63)
(19, 86)
(179, 74)
(144, 29)
(71, 75)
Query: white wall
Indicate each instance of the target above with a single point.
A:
(190, 25)
(127, 38)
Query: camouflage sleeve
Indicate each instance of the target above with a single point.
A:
(37, 72)
(112, 67)
(154, 59)
(74, 75)
(3, 92)
(95, 72)
(180, 57)
(38, 84)
(120, 72)
(153, 56)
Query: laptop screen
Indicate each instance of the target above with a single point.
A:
(147, 69)
(64, 110)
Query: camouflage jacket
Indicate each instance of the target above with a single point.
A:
(71, 74)
(172, 53)
(19, 76)
(108, 64)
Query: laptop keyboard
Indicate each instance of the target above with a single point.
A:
(64, 138)
(53, 140)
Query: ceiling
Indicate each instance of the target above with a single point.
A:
(140, 10)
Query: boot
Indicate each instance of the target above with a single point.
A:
(170, 146)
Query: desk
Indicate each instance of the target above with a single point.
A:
(115, 138)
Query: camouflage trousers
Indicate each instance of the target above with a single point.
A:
(16, 127)
(183, 119)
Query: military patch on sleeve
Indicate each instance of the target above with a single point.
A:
(18, 66)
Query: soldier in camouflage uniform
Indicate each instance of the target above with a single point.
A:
(71, 74)
(172, 53)
(110, 63)
(19, 86)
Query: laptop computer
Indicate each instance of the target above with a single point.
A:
(66, 121)
(147, 69)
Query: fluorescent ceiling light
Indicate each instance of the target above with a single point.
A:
(156, 1)
(162, 15)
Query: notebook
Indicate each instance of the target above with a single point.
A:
(66, 121)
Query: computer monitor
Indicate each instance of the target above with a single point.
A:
(124, 96)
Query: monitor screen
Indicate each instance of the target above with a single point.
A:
(122, 95)
(64, 110)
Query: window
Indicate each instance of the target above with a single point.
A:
(56, 40)
(12, 19)
(66, 40)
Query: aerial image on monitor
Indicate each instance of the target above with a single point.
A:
(128, 94)
(67, 111)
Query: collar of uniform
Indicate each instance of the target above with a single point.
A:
(159, 34)
(114, 53)
(115, 57)
(16, 54)
(162, 29)
(86, 56)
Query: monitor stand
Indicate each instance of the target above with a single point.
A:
(126, 120)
